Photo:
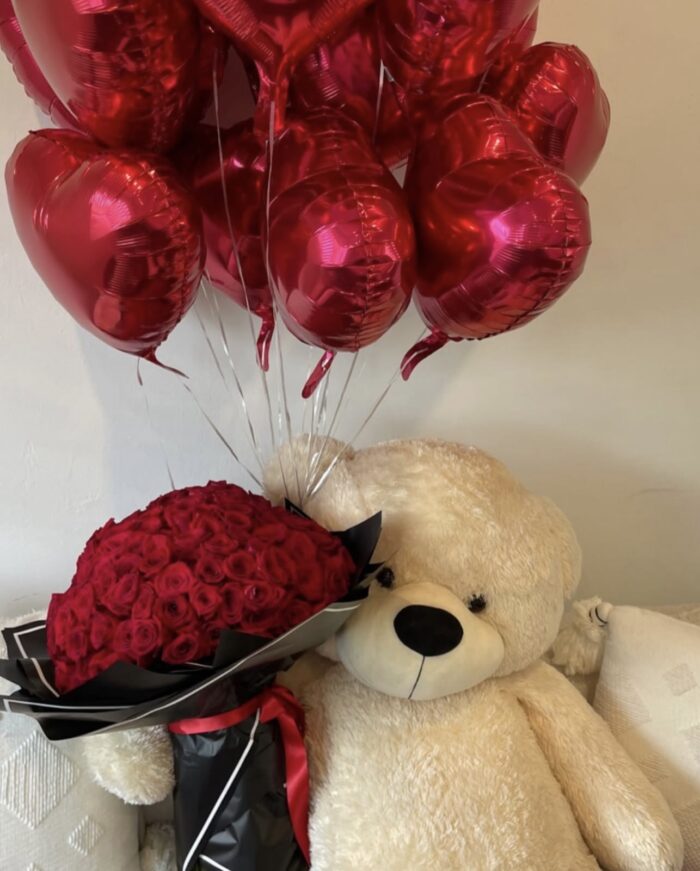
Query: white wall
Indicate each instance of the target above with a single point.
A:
(595, 404)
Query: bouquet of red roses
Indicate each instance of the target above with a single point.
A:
(182, 614)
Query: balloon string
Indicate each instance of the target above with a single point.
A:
(318, 419)
(380, 97)
(205, 331)
(273, 293)
(220, 435)
(283, 385)
(236, 253)
(149, 414)
(319, 454)
(339, 454)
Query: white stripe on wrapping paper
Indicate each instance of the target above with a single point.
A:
(11, 702)
(213, 863)
(224, 793)
(238, 666)
(39, 670)
(16, 635)
(44, 679)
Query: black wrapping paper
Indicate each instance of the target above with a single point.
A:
(231, 801)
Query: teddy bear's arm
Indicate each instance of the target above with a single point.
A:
(624, 819)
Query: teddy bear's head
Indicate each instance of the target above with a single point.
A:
(476, 568)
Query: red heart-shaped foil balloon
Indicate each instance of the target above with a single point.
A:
(234, 216)
(345, 75)
(512, 48)
(501, 234)
(127, 70)
(556, 97)
(276, 35)
(113, 234)
(15, 47)
(341, 240)
(435, 49)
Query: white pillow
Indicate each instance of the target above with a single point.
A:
(52, 816)
(649, 693)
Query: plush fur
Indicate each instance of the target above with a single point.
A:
(513, 771)
(136, 765)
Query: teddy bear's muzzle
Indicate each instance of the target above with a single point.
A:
(428, 631)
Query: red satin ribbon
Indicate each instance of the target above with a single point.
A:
(276, 703)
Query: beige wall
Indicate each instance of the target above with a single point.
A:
(596, 404)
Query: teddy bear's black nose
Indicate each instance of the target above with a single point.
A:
(428, 631)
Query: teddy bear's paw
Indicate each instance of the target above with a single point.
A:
(135, 765)
(158, 851)
(579, 647)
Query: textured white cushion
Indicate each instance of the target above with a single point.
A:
(52, 816)
(649, 693)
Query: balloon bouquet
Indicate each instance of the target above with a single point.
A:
(294, 213)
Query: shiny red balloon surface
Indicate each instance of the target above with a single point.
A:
(341, 240)
(276, 35)
(126, 70)
(244, 175)
(433, 48)
(501, 235)
(15, 47)
(513, 46)
(556, 97)
(113, 234)
(345, 75)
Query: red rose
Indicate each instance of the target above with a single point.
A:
(145, 637)
(102, 575)
(231, 604)
(260, 596)
(271, 533)
(267, 624)
(82, 602)
(155, 554)
(205, 600)
(102, 630)
(124, 637)
(175, 613)
(209, 569)
(58, 621)
(121, 595)
(206, 525)
(177, 518)
(174, 580)
(238, 518)
(301, 548)
(145, 603)
(183, 648)
(221, 544)
(279, 565)
(76, 643)
(240, 565)
(314, 586)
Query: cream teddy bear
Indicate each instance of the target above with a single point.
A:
(439, 740)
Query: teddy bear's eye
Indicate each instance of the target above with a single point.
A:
(476, 604)
(385, 578)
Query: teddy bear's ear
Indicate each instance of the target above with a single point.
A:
(316, 474)
(566, 547)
